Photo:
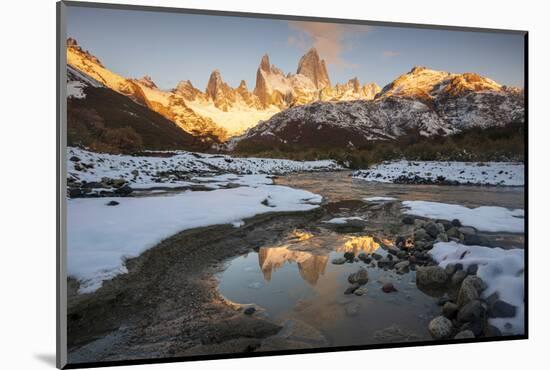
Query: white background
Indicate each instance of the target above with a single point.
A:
(27, 170)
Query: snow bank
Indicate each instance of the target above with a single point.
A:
(342, 220)
(489, 173)
(502, 270)
(486, 218)
(100, 237)
(181, 169)
(379, 199)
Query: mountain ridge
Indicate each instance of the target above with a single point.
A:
(220, 109)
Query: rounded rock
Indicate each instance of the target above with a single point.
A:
(440, 327)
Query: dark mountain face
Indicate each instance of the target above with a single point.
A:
(355, 124)
(104, 120)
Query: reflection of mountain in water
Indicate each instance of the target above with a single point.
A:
(357, 244)
(311, 266)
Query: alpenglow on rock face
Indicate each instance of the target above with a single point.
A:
(221, 110)
(314, 68)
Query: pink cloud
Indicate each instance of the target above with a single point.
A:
(330, 39)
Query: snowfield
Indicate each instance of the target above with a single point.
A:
(101, 237)
(486, 218)
(470, 173)
(502, 270)
(182, 169)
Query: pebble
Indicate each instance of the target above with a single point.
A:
(388, 288)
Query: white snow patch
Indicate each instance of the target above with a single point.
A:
(501, 269)
(379, 199)
(486, 173)
(342, 220)
(145, 172)
(75, 89)
(485, 218)
(101, 237)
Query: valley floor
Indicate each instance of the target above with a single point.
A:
(192, 254)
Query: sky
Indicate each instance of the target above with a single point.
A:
(171, 47)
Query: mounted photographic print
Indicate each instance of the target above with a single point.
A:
(236, 185)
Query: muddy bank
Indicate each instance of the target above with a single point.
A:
(168, 305)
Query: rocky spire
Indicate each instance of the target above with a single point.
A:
(264, 64)
(221, 93)
(313, 67)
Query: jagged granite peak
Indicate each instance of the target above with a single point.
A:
(71, 42)
(313, 67)
(264, 63)
(188, 91)
(73, 45)
(221, 93)
(148, 81)
(242, 86)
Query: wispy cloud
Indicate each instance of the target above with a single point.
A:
(330, 39)
(390, 53)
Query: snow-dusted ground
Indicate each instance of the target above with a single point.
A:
(149, 171)
(486, 218)
(487, 173)
(502, 270)
(101, 237)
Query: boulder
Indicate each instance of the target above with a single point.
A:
(432, 229)
(408, 220)
(500, 308)
(458, 277)
(360, 277)
(431, 277)
(473, 311)
(446, 224)
(339, 261)
(456, 223)
(450, 269)
(440, 327)
(453, 233)
(450, 310)
(349, 256)
(470, 290)
(352, 288)
(442, 237)
(420, 235)
(402, 267)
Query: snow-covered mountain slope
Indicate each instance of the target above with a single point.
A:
(145, 92)
(220, 110)
(102, 119)
(424, 83)
(349, 124)
(421, 102)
